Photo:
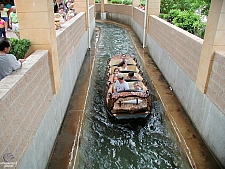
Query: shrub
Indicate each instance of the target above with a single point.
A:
(127, 2)
(116, 1)
(19, 47)
(186, 20)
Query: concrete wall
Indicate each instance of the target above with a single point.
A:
(177, 54)
(121, 14)
(31, 114)
(178, 63)
(98, 7)
(24, 99)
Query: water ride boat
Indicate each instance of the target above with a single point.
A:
(129, 103)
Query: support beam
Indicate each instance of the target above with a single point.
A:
(92, 2)
(36, 23)
(103, 2)
(152, 7)
(80, 5)
(135, 3)
(213, 41)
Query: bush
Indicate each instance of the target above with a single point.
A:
(19, 47)
(116, 1)
(186, 20)
(127, 2)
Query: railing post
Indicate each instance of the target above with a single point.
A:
(213, 40)
(152, 7)
(41, 32)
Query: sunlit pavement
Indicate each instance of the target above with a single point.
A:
(11, 34)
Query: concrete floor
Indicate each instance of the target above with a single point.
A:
(10, 34)
(196, 150)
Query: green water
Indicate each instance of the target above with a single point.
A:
(104, 144)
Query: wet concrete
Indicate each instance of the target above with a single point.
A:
(196, 150)
(68, 137)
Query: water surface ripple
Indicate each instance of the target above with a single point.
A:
(105, 144)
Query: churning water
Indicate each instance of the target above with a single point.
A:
(105, 144)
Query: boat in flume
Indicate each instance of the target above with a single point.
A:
(134, 102)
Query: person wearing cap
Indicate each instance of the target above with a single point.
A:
(120, 84)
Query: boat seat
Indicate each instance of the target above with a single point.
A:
(129, 68)
(132, 68)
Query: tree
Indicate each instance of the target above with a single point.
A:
(183, 13)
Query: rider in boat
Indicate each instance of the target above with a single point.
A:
(120, 84)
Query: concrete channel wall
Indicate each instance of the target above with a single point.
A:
(177, 54)
(31, 115)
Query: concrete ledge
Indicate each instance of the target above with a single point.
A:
(23, 101)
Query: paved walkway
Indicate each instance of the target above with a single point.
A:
(10, 34)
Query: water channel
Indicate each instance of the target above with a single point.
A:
(105, 144)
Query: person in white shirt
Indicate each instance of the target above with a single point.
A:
(120, 84)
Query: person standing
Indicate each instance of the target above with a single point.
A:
(55, 6)
(8, 62)
(2, 27)
(13, 21)
(4, 15)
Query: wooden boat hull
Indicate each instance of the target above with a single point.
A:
(129, 104)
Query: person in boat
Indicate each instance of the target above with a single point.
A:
(131, 75)
(137, 86)
(120, 84)
(122, 66)
(123, 58)
(113, 77)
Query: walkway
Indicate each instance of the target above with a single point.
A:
(10, 34)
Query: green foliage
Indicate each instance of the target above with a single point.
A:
(116, 1)
(127, 2)
(142, 2)
(186, 20)
(184, 5)
(19, 47)
(97, 1)
(182, 14)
